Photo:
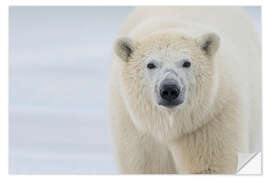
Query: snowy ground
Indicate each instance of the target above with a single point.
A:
(59, 58)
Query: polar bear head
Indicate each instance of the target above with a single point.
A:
(167, 72)
(169, 69)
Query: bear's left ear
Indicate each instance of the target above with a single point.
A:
(209, 43)
(124, 47)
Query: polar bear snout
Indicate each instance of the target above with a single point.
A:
(170, 93)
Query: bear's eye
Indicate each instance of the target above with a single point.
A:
(151, 66)
(186, 64)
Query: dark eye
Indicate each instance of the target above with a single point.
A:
(151, 66)
(186, 64)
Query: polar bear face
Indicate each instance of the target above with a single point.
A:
(168, 70)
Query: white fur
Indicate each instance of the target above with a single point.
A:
(204, 134)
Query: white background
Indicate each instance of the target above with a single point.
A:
(59, 61)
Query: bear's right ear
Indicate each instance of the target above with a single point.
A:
(124, 47)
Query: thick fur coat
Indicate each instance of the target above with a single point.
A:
(220, 111)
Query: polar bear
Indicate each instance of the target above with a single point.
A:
(185, 90)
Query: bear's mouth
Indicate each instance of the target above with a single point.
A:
(171, 104)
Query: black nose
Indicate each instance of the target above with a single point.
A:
(169, 92)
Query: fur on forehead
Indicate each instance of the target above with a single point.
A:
(208, 43)
(163, 41)
(177, 44)
(167, 38)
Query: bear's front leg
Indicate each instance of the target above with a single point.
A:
(212, 149)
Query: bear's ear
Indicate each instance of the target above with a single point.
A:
(209, 43)
(124, 47)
